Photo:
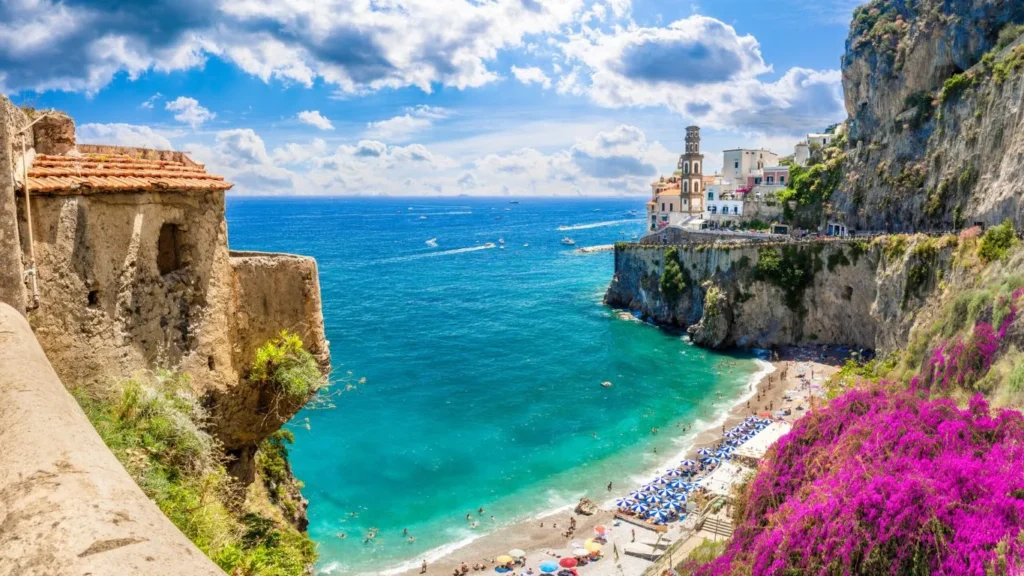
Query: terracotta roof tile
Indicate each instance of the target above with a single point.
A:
(96, 173)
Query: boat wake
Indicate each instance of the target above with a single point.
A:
(597, 224)
(487, 246)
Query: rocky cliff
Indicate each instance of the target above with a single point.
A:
(933, 89)
(848, 292)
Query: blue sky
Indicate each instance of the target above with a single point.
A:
(414, 97)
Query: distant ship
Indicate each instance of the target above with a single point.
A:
(513, 201)
(568, 241)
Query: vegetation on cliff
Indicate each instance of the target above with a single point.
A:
(160, 432)
(286, 367)
(672, 282)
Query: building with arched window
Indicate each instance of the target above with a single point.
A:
(679, 198)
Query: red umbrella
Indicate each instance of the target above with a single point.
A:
(567, 562)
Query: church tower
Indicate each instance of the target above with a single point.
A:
(691, 173)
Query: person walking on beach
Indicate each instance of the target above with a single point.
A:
(633, 530)
(423, 567)
(609, 486)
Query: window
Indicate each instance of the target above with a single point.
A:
(711, 195)
(735, 209)
(782, 179)
(686, 186)
(662, 206)
(770, 180)
(168, 249)
(670, 207)
(736, 164)
(696, 167)
(714, 209)
(686, 167)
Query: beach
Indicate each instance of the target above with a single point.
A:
(543, 539)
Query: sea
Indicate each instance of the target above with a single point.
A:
(469, 346)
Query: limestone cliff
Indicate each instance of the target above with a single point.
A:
(936, 126)
(849, 292)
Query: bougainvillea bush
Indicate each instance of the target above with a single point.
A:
(886, 481)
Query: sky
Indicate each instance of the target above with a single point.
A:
(432, 97)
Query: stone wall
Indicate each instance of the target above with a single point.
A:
(145, 281)
(851, 294)
(67, 506)
(12, 271)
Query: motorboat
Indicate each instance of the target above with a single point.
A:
(568, 241)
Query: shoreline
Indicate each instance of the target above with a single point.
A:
(540, 543)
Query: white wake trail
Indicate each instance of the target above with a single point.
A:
(597, 224)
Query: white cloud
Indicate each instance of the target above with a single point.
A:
(703, 70)
(188, 111)
(122, 135)
(532, 75)
(314, 118)
(149, 102)
(355, 45)
(402, 128)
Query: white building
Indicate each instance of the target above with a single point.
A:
(739, 165)
(721, 203)
(801, 153)
(820, 140)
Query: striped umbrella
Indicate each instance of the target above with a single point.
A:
(677, 484)
(664, 494)
(660, 515)
(650, 499)
(732, 434)
(624, 502)
(675, 506)
(710, 460)
(687, 463)
(639, 508)
(636, 494)
(662, 481)
(705, 451)
(650, 487)
(673, 472)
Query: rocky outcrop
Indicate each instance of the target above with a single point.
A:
(936, 125)
(848, 292)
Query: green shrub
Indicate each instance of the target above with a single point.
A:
(954, 86)
(792, 270)
(284, 364)
(895, 247)
(157, 429)
(1016, 382)
(997, 241)
(1008, 34)
(672, 282)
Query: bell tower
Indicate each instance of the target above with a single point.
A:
(691, 173)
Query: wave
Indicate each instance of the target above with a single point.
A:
(487, 246)
(431, 556)
(597, 224)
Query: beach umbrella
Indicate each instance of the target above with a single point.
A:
(673, 472)
(639, 508)
(660, 516)
(732, 434)
(677, 484)
(636, 494)
(592, 546)
(710, 460)
(580, 551)
(687, 463)
(600, 529)
(503, 559)
(516, 553)
(624, 502)
(650, 487)
(751, 419)
(664, 494)
(662, 481)
(705, 451)
(675, 506)
(548, 567)
(568, 562)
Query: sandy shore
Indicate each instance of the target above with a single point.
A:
(544, 539)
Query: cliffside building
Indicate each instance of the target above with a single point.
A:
(679, 199)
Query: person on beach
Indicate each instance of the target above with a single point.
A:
(405, 531)
(469, 517)
(481, 511)
(633, 531)
(423, 567)
(412, 539)
(609, 486)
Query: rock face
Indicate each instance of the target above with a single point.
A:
(919, 158)
(586, 507)
(762, 295)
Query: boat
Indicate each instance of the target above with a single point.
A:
(606, 384)
(501, 240)
(432, 242)
(489, 245)
(527, 245)
(513, 201)
(632, 213)
(568, 241)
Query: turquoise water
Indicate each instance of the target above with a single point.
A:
(483, 368)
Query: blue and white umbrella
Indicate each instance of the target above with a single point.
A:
(732, 434)
(687, 463)
(705, 451)
(735, 442)
(650, 487)
(710, 460)
(660, 515)
(661, 481)
(636, 494)
(673, 472)
(650, 499)
(664, 494)
(639, 508)
(751, 419)
(675, 506)
(677, 484)
(624, 502)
